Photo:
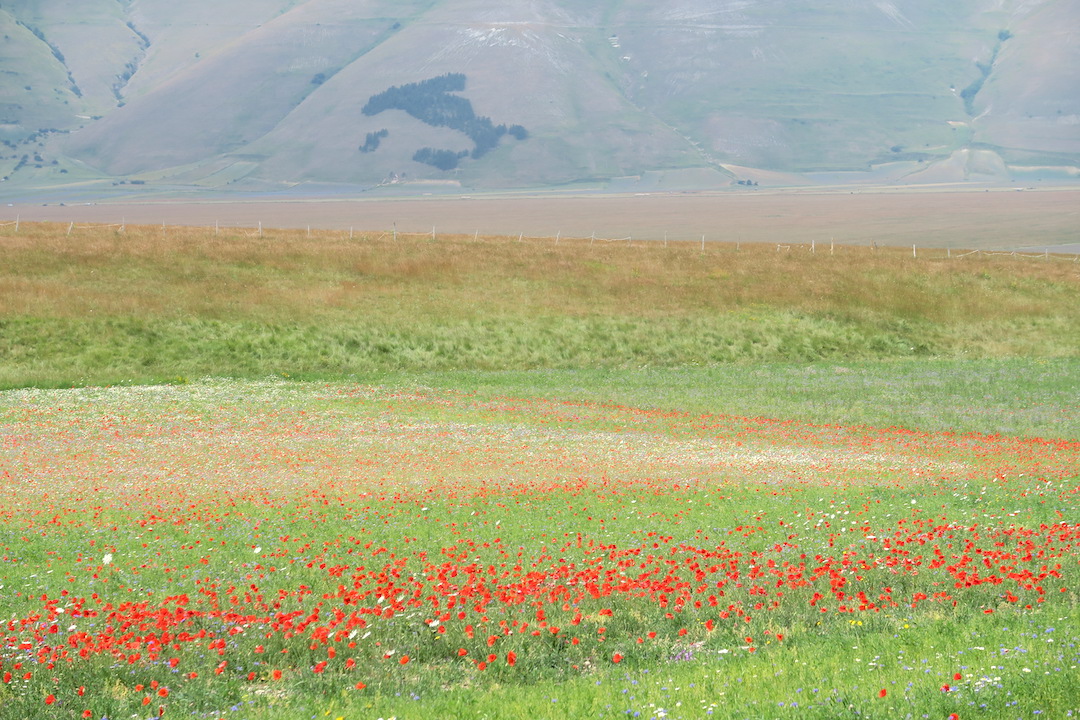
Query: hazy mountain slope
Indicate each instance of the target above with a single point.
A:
(66, 26)
(236, 95)
(36, 91)
(524, 63)
(182, 34)
(1029, 106)
(273, 90)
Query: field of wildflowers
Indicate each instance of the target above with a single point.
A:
(244, 549)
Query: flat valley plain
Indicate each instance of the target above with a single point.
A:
(987, 218)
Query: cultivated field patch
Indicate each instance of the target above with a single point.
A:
(933, 217)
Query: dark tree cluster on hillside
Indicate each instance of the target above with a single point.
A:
(431, 102)
(371, 142)
(442, 159)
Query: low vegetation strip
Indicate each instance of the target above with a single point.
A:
(152, 304)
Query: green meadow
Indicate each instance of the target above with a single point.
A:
(289, 476)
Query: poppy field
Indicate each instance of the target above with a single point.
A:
(275, 549)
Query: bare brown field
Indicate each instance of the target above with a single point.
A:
(990, 219)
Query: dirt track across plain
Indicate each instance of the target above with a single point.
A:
(987, 219)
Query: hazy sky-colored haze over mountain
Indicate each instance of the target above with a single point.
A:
(257, 95)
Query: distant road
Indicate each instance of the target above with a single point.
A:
(991, 219)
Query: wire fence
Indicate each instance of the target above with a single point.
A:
(230, 229)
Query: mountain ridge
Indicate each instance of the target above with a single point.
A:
(271, 94)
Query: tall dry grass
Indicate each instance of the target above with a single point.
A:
(294, 274)
(593, 302)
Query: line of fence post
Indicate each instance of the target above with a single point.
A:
(592, 239)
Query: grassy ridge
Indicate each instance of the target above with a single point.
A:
(147, 304)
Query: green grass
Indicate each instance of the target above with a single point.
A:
(1008, 396)
(134, 350)
(796, 681)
